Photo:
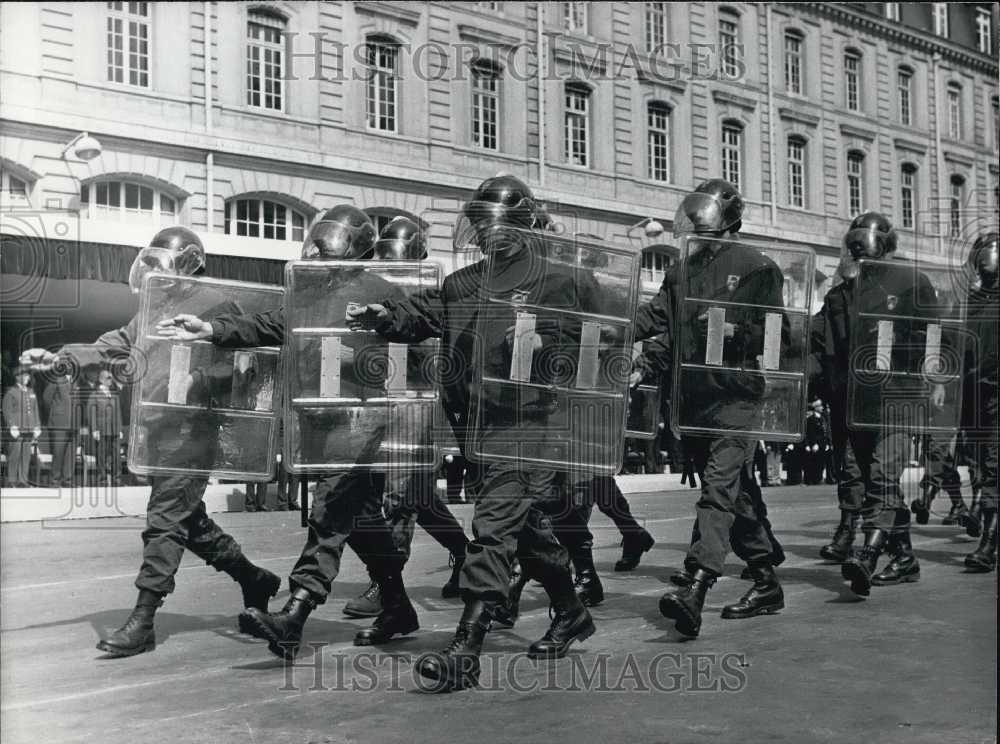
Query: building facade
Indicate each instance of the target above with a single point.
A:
(244, 120)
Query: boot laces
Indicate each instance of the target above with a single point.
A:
(372, 592)
(461, 636)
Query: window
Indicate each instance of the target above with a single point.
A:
(654, 267)
(262, 218)
(658, 141)
(732, 153)
(793, 63)
(852, 80)
(577, 130)
(575, 17)
(264, 32)
(797, 172)
(126, 201)
(904, 84)
(892, 11)
(485, 105)
(941, 19)
(996, 123)
(381, 57)
(729, 43)
(957, 199)
(855, 182)
(656, 27)
(984, 41)
(907, 194)
(493, 7)
(954, 111)
(128, 21)
(13, 190)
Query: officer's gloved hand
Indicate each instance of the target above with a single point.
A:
(15, 432)
(536, 340)
(36, 433)
(366, 317)
(97, 435)
(729, 328)
(938, 396)
(185, 327)
(641, 369)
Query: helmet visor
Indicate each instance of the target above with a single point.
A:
(150, 260)
(865, 242)
(330, 239)
(699, 213)
(473, 226)
(986, 260)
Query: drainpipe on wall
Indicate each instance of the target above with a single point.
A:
(542, 65)
(771, 117)
(209, 156)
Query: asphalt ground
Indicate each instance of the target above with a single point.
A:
(913, 663)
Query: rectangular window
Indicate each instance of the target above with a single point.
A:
(659, 142)
(575, 17)
(654, 267)
(656, 27)
(729, 41)
(264, 49)
(732, 154)
(855, 183)
(996, 124)
(128, 43)
(956, 206)
(793, 64)
(577, 127)
(904, 79)
(955, 113)
(941, 19)
(381, 100)
(907, 196)
(494, 7)
(852, 80)
(983, 38)
(796, 173)
(485, 107)
(892, 11)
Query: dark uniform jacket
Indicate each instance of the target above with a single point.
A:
(104, 413)
(20, 409)
(62, 405)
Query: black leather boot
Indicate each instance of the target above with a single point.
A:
(957, 514)
(860, 567)
(367, 604)
(684, 604)
(505, 614)
(282, 630)
(634, 544)
(257, 584)
(685, 575)
(984, 558)
(839, 547)
(903, 567)
(971, 520)
(450, 590)
(921, 506)
(765, 597)
(137, 634)
(588, 584)
(457, 666)
(397, 617)
(571, 621)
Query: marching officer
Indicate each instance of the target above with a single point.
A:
(20, 413)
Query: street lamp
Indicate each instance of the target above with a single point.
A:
(653, 228)
(83, 146)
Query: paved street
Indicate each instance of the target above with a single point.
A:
(911, 664)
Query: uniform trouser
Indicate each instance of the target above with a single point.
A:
(510, 521)
(106, 450)
(869, 482)
(812, 470)
(571, 521)
(981, 430)
(940, 472)
(175, 520)
(417, 502)
(726, 502)
(288, 488)
(18, 460)
(256, 495)
(347, 507)
(62, 443)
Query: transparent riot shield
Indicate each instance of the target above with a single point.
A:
(198, 409)
(908, 341)
(741, 339)
(553, 352)
(356, 400)
(645, 399)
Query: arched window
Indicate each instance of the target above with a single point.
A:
(904, 85)
(264, 49)
(855, 182)
(256, 217)
(797, 172)
(732, 152)
(127, 201)
(577, 125)
(852, 79)
(793, 62)
(382, 76)
(907, 194)
(956, 200)
(658, 140)
(485, 105)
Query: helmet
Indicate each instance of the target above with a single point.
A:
(344, 232)
(871, 235)
(173, 250)
(401, 240)
(500, 200)
(716, 206)
(983, 258)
